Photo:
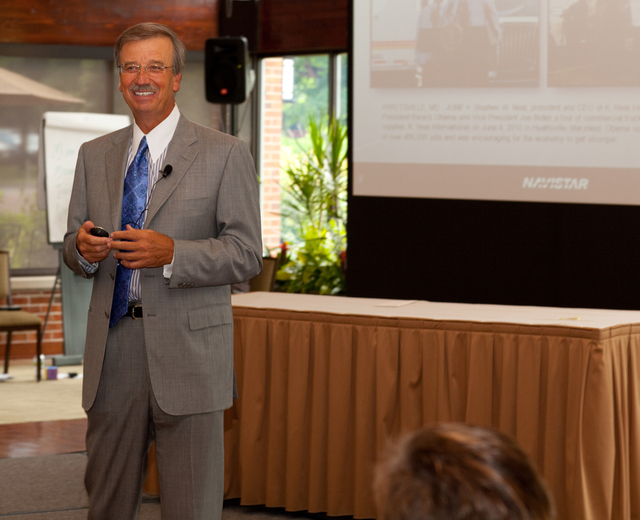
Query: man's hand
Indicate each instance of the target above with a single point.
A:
(138, 248)
(93, 249)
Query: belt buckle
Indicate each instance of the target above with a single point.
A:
(136, 312)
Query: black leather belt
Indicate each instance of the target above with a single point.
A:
(135, 312)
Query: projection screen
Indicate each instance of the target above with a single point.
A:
(519, 100)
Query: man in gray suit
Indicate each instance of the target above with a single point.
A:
(159, 351)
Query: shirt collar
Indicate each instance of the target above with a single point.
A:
(160, 137)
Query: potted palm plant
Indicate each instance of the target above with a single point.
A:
(314, 206)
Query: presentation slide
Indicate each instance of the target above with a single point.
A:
(518, 100)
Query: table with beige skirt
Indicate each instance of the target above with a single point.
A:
(326, 381)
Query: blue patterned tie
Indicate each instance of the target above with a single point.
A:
(134, 199)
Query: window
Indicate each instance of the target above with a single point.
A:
(85, 73)
(294, 89)
(23, 228)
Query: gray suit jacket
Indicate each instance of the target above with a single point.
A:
(209, 206)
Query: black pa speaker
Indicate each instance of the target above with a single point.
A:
(228, 73)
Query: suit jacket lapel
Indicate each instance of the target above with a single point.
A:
(115, 163)
(180, 154)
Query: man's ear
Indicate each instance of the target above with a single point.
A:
(176, 82)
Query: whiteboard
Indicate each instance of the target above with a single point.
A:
(62, 134)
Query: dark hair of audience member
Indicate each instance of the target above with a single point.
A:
(458, 472)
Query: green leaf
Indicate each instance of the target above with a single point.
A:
(314, 208)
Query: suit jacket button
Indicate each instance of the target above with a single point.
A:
(106, 314)
(112, 275)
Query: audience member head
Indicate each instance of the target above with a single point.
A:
(458, 472)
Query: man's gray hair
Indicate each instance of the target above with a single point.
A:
(146, 31)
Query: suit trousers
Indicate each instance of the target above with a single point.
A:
(122, 423)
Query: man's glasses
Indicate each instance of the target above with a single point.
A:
(154, 69)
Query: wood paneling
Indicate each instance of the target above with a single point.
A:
(300, 26)
(100, 22)
(286, 26)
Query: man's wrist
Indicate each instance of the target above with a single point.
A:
(88, 267)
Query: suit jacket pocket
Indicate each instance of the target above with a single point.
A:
(210, 316)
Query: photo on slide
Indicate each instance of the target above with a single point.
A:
(594, 43)
(455, 43)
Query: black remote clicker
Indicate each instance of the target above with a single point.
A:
(99, 232)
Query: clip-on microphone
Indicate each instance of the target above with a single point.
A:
(165, 173)
(100, 232)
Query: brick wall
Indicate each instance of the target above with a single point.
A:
(23, 344)
(271, 141)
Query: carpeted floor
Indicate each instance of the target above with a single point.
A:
(147, 512)
(52, 488)
(36, 484)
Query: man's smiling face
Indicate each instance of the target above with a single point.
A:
(150, 97)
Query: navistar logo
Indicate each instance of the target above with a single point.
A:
(555, 183)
